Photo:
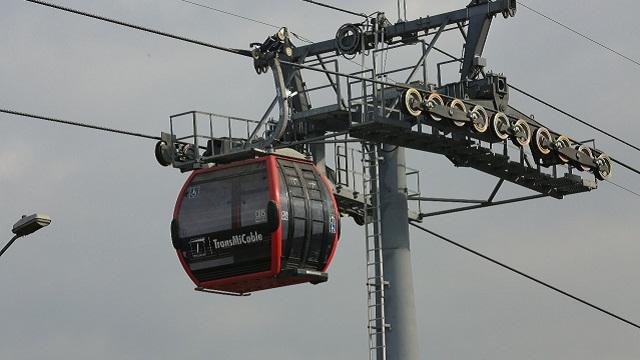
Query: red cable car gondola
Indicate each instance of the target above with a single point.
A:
(256, 224)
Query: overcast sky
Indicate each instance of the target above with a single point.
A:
(103, 282)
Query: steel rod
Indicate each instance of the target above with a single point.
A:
(6, 247)
(464, 201)
(480, 206)
(495, 190)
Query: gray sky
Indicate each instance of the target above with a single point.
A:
(103, 282)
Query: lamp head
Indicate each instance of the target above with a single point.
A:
(30, 224)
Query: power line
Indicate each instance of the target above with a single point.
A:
(79, 124)
(137, 27)
(526, 275)
(300, 37)
(229, 13)
(336, 8)
(624, 188)
(625, 165)
(581, 35)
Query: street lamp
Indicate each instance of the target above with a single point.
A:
(27, 225)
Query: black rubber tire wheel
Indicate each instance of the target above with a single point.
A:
(524, 139)
(434, 98)
(483, 124)
(499, 125)
(412, 102)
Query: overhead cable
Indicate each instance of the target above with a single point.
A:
(526, 276)
(137, 27)
(229, 13)
(623, 188)
(598, 43)
(336, 8)
(296, 35)
(300, 37)
(84, 125)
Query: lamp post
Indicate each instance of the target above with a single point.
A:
(25, 226)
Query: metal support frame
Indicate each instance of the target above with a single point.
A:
(422, 61)
(483, 205)
(394, 306)
(476, 37)
(282, 99)
(403, 29)
(479, 203)
(374, 120)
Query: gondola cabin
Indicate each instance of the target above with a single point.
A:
(256, 224)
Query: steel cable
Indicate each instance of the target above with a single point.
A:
(73, 123)
(298, 36)
(526, 275)
(137, 27)
(598, 43)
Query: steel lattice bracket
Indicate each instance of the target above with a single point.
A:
(465, 152)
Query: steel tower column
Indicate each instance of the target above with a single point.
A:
(400, 309)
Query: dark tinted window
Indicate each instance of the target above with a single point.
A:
(222, 221)
(225, 199)
(311, 226)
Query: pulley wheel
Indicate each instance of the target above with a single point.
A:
(163, 157)
(522, 133)
(412, 102)
(189, 152)
(432, 100)
(479, 119)
(281, 35)
(583, 150)
(458, 104)
(561, 143)
(500, 125)
(604, 170)
(348, 39)
(543, 141)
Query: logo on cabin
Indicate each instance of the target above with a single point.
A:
(236, 240)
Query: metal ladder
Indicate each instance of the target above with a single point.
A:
(377, 326)
(341, 160)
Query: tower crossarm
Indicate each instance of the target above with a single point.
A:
(477, 14)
